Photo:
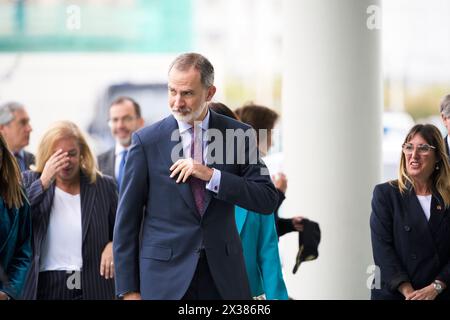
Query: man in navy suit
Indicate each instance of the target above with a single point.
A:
(190, 247)
(124, 119)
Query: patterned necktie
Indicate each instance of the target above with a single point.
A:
(197, 185)
(121, 168)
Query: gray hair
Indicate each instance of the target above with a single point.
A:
(187, 60)
(7, 111)
(445, 106)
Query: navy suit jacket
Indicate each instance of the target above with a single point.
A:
(106, 162)
(407, 247)
(173, 232)
(98, 210)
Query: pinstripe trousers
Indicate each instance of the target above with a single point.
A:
(59, 285)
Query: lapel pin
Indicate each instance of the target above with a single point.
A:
(439, 207)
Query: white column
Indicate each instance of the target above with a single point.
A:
(332, 140)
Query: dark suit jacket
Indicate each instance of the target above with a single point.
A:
(407, 247)
(173, 231)
(29, 159)
(98, 209)
(106, 162)
(446, 146)
(15, 248)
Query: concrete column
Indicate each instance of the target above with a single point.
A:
(332, 140)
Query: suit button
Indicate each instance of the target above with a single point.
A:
(407, 228)
(413, 256)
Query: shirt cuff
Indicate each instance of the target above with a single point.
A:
(214, 184)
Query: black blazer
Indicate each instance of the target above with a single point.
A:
(106, 162)
(98, 210)
(29, 159)
(407, 247)
(446, 146)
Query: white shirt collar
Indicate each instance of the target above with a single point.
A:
(119, 149)
(184, 126)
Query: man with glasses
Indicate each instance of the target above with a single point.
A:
(124, 119)
(15, 128)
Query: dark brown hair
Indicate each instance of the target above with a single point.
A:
(122, 99)
(222, 109)
(10, 177)
(259, 117)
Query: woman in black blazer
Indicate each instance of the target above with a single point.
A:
(73, 210)
(410, 222)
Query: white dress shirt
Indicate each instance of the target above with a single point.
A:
(61, 249)
(425, 202)
(184, 128)
(119, 154)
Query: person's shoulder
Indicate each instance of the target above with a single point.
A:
(230, 123)
(105, 179)
(105, 154)
(31, 175)
(152, 132)
(389, 187)
(105, 182)
(28, 154)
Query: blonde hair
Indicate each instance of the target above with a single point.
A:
(66, 129)
(440, 178)
(10, 177)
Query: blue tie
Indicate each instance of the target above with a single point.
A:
(122, 168)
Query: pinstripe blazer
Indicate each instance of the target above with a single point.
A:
(98, 210)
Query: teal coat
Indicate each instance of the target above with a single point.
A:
(262, 259)
(15, 247)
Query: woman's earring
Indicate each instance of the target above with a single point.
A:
(437, 166)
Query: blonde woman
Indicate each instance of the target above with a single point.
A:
(410, 222)
(73, 209)
(15, 227)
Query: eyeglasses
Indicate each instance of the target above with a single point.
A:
(126, 120)
(408, 148)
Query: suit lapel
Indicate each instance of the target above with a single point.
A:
(46, 205)
(417, 218)
(87, 198)
(170, 146)
(213, 124)
(436, 213)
